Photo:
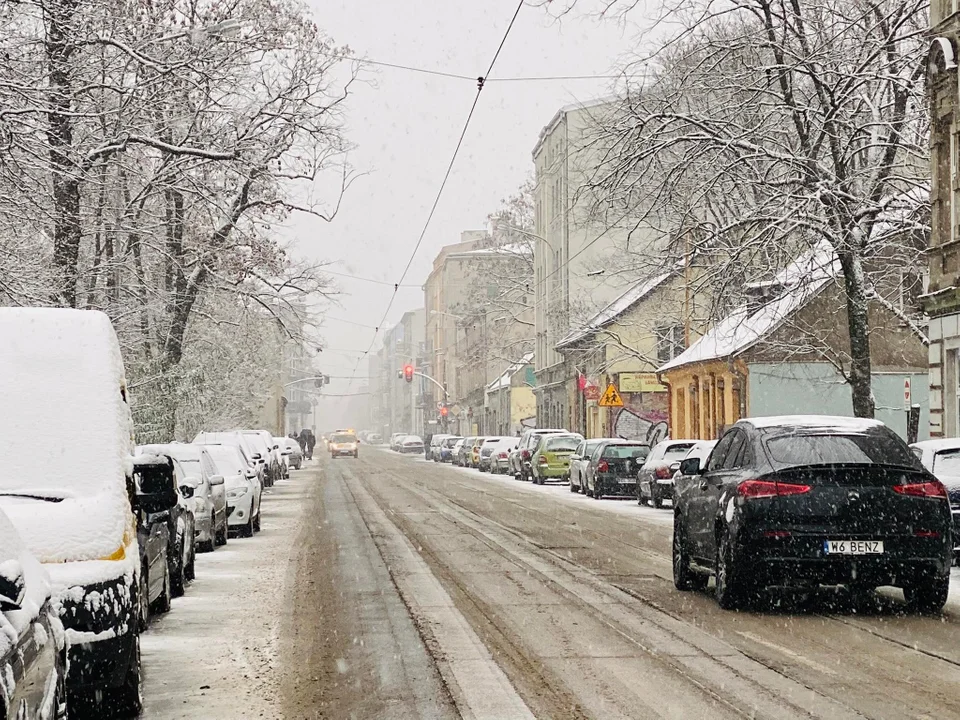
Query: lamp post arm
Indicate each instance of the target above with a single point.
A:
(427, 377)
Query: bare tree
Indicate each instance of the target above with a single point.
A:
(765, 127)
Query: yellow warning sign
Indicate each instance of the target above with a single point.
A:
(610, 397)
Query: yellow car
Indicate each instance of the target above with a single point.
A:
(475, 452)
(343, 444)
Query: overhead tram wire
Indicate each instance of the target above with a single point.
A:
(481, 81)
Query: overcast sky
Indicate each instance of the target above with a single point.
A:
(405, 126)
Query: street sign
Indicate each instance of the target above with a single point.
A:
(591, 392)
(611, 398)
(906, 393)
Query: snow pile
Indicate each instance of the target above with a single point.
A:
(65, 432)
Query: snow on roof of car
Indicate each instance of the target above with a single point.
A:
(825, 422)
(938, 444)
(180, 451)
(412, 439)
(62, 380)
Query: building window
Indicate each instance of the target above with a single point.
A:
(669, 342)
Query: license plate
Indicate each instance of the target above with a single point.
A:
(853, 547)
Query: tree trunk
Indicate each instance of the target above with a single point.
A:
(858, 325)
(65, 177)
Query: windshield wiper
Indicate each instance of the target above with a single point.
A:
(32, 496)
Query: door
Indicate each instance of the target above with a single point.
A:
(575, 464)
(701, 500)
(728, 471)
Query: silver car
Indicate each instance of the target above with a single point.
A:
(579, 462)
(209, 492)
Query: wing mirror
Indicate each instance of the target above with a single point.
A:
(216, 480)
(674, 467)
(691, 466)
(12, 585)
(257, 456)
(187, 491)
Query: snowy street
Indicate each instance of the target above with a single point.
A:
(389, 587)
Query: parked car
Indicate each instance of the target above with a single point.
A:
(474, 456)
(813, 501)
(613, 468)
(942, 458)
(72, 503)
(209, 497)
(290, 452)
(262, 444)
(463, 455)
(487, 447)
(250, 455)
(550, 456)
(455, 451)
(520, 457)
(32, 647)
(701, 451)
(655, 478)
(447, 447)
(244, 489)
(500, 457)
(436, 441)
(155, 479)
(396, 440)
(579, 462)
(411, 444)
(343, 444)
(374, 439)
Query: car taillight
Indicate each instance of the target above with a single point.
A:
(542, 460)
(663, 472)
(525, 454)
(502, 456)
(753, 489)
(603, 466)
(933, 489)
(926, 534)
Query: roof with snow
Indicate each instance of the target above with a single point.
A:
(611, 312)
(801, 280)
(504, 380)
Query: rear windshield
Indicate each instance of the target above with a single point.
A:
(450, 442)
(947, 462)
(343, 438)
(563, 444)
(626, 451)
(677, 452)
(828, 449)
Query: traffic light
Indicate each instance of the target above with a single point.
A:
(408, 373)
(444, 411)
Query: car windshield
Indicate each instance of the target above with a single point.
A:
(343, 438)
(947, 462)
(799, 448)
(677, 452)
(626, 451)
(562, 444)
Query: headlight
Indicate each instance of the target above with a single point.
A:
(236, 493)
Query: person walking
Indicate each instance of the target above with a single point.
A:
(302, 439)
(311, 443)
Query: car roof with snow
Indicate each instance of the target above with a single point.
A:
(831, 423)
(938, 444)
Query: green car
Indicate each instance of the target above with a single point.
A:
(551, 456)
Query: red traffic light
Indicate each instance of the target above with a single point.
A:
(444, 411)
(408, 373)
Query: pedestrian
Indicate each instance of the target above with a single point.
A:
(311, 443)
(302, 439)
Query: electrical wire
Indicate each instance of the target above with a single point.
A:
(481, 81)
(364, 279)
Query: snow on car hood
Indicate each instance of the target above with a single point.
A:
(76, 528)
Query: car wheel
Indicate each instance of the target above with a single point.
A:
(683, 577)
(176, 572)
(190, 571)
(143, 616)
(222, 534)
(655, 498)
(573, 488)
(126, 700)
(162, 603)
(730, 584)
(211, 544)
(927, 595)
(256, 521)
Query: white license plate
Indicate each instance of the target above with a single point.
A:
(853, 547)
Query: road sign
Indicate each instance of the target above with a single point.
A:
(906, 393)
(611, 398)
(591, 392)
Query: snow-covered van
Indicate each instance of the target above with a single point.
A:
(62, 390)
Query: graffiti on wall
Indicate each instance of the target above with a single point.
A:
(643, 417)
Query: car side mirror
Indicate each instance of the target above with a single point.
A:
(674, 467)
(216, 480)
(257, 456)
(191, 482)
(12, 585)
(187, 491)
(691, 466)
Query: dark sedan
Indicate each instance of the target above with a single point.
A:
(809, 501)
(613, 468)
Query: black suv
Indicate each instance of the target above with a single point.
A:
(808, 501)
